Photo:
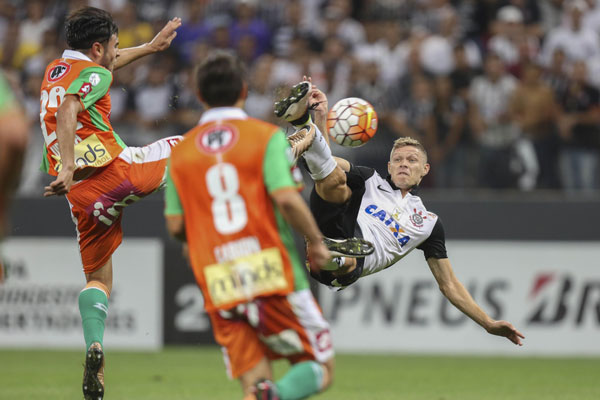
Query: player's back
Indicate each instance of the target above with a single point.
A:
(96, 144)
(218, 170)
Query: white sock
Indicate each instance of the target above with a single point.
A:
(318, 157)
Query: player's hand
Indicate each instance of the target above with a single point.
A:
(61, 185)
(163, 39)
(318, 254)
(506, 329)
(317, 100)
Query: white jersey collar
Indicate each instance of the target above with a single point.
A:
(222, 113)
(77, 55)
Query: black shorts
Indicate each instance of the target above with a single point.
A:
(338, 221)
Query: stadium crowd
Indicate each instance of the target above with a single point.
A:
(503, 93)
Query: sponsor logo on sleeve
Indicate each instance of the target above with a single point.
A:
(85, 89)
(94, 79)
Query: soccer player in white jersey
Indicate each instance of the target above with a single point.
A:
(353, 201)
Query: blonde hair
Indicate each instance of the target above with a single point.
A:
(408, 141)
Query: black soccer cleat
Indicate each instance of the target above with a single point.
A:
(295, 106)
(93, 373)
(350, 247)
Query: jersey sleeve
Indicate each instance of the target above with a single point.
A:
(278, 163)
(172, 202)
(435, 245)
(356, 177)
(91, 85)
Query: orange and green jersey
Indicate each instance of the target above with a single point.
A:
(96, 144)
(219, 179)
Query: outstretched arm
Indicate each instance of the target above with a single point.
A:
(161, 42)
(454, 291)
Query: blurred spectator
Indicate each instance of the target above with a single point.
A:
(246, 24)
(154, 99)
(291, 26)
(195, 28)
(534, 110)
(416, 61)
(338, 21)
(550, 14)
(386, 44)
(463, 72)
(452, 32)
(31, 32)
(532, 16)
(132, 31)
(122, 97)
(31, 97)
(512, 43)
(436, 55)
(494, 131)
(578, 42)
(430, 15)
(188, 105)
(220, 35)
(414, 115)
(450, 154)
(579, 126)
(301, 61)
(259, 103)
(337, 69)
(555, 75)
(368, 85)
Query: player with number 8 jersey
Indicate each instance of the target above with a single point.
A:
(232, 196)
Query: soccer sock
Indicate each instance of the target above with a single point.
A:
(318, 157)
(93, 307)
(302, 380)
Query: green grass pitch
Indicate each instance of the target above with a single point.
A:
(181, 373)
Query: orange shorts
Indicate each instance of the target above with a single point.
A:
(97, 202)
(290, 327)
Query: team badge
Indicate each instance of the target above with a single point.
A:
(94, 79)
(217, 138)
(59, 71)
(417, 218)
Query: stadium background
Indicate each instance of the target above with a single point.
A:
(515, 170)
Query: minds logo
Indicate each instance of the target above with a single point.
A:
(217, 138)
(389, 221)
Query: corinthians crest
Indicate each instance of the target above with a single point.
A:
(417, 218)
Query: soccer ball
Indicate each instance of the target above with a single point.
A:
(352, 122)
